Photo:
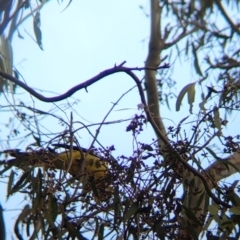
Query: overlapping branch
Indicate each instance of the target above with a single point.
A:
(128, 71)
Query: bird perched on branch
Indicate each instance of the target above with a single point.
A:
(82, 164)
(93, 165)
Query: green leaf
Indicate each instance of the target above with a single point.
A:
(131, 211)
(235, 210)
(200, 199)
(214, 154)
(6, 62)
(190, 90)
(160, 231)
(187, 47)
(196, 63)
(167, 101)
(117, 207)
(25, 212)
(216, 118)
(191, 215)
(74, 233)
(53, 207)
(202, 105)
(24, 179)
(94, 187)
(10, 182)
(6, 55)
(101, 232)
(191, 97)
(213, 209)
(37, 30)
(193, 233)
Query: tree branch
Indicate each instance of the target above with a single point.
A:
(219, 171)
(150, 118)
(153, 60)
(179, 37)
(85, 84)
(226, 16)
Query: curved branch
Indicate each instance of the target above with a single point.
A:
(84, 85)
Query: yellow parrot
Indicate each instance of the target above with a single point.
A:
(93, 165)
(83, 165)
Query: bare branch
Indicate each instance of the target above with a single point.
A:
(84, 85)
(179, 37)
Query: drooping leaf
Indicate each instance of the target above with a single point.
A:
(190, 90)
(117, 207)
(101, 232)
(191, 215)
(10, 182)
(159, 229)
(53, 207)
(74, 233)
(193, 233)
(131, 211)
(6, 62)
(191, 97)
(235, 210)
(37, 29)
(94, 188)
(25, 212)
(213, 209)
(216, 118)
(196, 63)
(24, 179)
(200, 199)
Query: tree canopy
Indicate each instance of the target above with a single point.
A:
(176, 186)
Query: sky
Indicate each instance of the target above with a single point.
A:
(80, 42)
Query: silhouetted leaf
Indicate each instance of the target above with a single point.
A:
(10, 182)
(6, 62)
(131, 211)
(191, 215)
(94, 188)
(193, 233)
(216, 118)
(191, 97)
(160, 231)
(214, 209)
(196, 64)
(24, 179)
(101, 232)
(235, 210)
(74, 233)
(200, 199)
(190, 90)
(117, 208)
(25, 212)
(53, 208)
(37, 30)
